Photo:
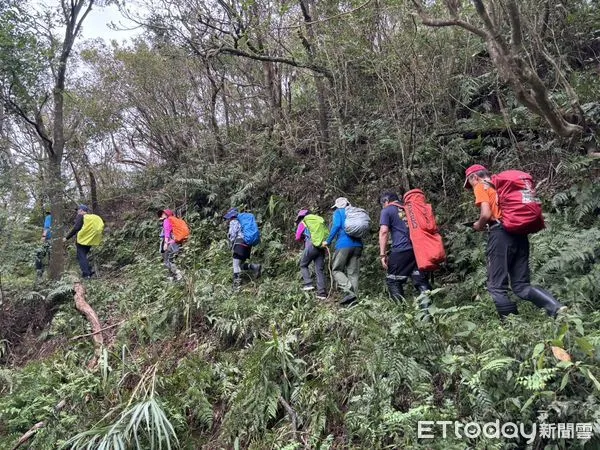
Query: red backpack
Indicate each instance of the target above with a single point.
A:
(520, 207)
(424, 235)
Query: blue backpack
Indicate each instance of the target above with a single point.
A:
(249, 228)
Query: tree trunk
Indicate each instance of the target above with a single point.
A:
(307, 7)
(512, 60)
(55, 147)
(93, 191)
(273, 91)
(55, 189)
(214, 123)
(77, 180)
(225, 104)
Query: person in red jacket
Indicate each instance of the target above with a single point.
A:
(507, 254)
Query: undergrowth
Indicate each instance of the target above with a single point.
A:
(192, 365)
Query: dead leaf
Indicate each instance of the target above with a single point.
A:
(560, 354)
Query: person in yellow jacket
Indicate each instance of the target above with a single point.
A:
(88, 228)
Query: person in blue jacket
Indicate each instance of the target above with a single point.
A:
(44, 250)
(346, 258)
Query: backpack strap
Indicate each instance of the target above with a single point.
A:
(490, 184)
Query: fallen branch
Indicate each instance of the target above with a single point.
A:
(84, 308)
(30, 433)
(37, 426)
(98, 331)
(291, 413)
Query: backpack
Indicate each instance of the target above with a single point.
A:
(317, 228)
(424, 234)
(521, 208)
(249, 228)
(181, 230)
(91, 231)
(357, 223)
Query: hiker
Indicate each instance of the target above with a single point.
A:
(400, 263)
(44, 250)
(508, 252)
(89, 228)
(174, 234)
(312, 230)
(243, 234)
(348, 247)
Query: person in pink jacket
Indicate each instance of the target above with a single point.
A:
(168, 247)
(310, 254)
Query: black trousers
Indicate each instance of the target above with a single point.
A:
(82, 258)
(508, 263)
(41, 255)
(401, 266)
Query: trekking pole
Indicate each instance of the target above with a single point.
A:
(330, 273)
(1, 289)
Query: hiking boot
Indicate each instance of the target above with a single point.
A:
(561, 312)
(321, 296)
(237, 282)
(178, 276)
(308, 287)
(348, 299)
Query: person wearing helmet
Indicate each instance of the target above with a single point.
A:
(311, 253)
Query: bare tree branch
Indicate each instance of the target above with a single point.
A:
(512, 64)
(515, 24)
(276, 59)
(438, 23)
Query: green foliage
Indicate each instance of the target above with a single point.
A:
(141, 425)
(194, 365)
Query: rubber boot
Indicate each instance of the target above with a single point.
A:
(505, 310)
(237, 282)
(544, 299)
(395, 289)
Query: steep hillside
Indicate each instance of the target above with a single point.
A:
(271, 367)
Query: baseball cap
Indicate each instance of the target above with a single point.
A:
(302, 213)
(233, 212)
(83, 208)
(168, 213)
(470, 171)
(340, 202)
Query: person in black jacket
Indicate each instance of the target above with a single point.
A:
(82, 250)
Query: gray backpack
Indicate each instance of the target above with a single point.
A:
(358, 222)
